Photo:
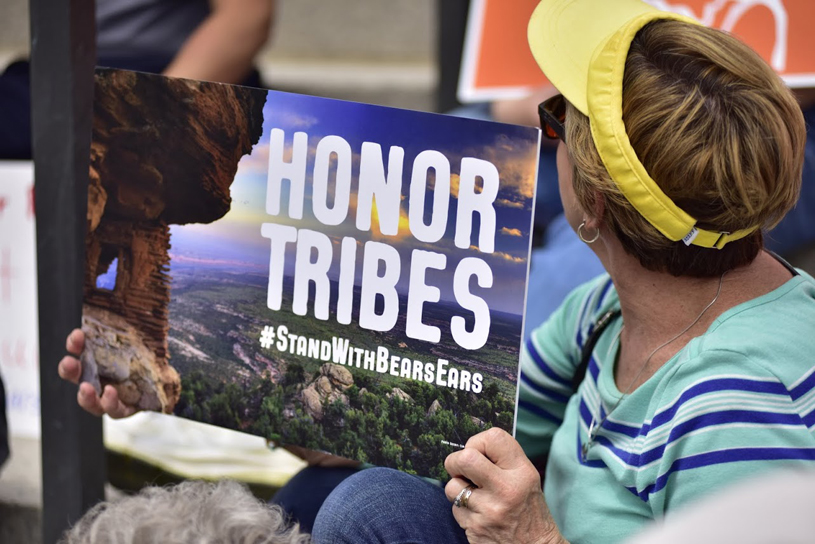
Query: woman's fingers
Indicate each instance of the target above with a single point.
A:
(112, 405)
(455, 486)
(108, 403)
(498, 446)
(75, 342)
(70, 369)
(89, 401)
(472, 465)
(485, 457)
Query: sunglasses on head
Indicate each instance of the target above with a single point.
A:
(552, 113)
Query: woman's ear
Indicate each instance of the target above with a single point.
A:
(596, 214)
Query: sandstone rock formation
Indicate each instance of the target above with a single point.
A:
(164, 151)
(328, 385)
(435, 407)
(168, 149)
(115, 354)
(398, 393)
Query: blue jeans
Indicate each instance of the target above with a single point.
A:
(303, 495)
(385, 505)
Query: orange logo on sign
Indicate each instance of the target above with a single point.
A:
(781, 31)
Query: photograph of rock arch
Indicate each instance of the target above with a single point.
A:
(144, 177)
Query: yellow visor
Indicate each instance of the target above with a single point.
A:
(582, 46)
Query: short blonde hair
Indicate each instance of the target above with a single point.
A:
(716, 129)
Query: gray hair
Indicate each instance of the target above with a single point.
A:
(191, 512)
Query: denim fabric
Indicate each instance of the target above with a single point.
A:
(385, 505)
(303, 495)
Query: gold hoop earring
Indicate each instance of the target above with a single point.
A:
(583, 238)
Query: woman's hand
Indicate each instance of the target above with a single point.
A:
(507, 505)
(70, 369)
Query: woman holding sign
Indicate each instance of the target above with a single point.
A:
(687, 366)
(679, 147)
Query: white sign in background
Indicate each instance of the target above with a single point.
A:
(19, 347)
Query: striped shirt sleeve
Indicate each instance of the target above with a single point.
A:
(710, 431)
(549, 357)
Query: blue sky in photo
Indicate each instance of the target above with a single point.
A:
(236, 241)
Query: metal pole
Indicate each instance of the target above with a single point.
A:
(63, 55)
(452, 17)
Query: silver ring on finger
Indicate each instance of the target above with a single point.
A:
(463, 497)
(466, 498)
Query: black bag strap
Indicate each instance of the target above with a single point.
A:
(588, 346)
(599, 326)
(781, 260)
(605, 319)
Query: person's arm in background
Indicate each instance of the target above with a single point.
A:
(522, 111)
(224, 46)
(806, 97)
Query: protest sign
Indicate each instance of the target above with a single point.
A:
(19, 365)
(340, 276)
(497, 63)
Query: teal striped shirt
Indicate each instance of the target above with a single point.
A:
(734, 402)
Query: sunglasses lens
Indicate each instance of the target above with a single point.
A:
(553, 116)
(557, 108)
